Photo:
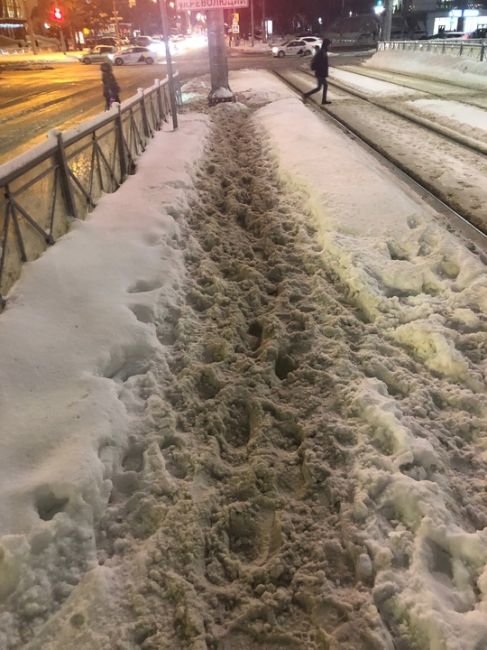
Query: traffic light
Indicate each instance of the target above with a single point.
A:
(57, 14)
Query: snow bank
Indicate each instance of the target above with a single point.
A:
(456, 114)
(255, 89)
(392, 255)
(455, 69)
(40, 58)
(77, 331)
(371, 86)
(425, 290)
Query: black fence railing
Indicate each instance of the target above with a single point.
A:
(62, 179)
(472, 49)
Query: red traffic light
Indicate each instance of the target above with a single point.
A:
(57, 14)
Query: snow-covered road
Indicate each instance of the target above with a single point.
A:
(257, 416)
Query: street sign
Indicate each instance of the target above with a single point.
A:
(204, 5)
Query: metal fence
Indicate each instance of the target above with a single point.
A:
(62, 179)
(475, 50)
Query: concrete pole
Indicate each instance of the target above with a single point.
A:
(386, 30)
(220, 90)
(30, 26)
(115, 17)
(172, 89)
(62, 39)
(33, 43)
(264, 30)
(252, 33)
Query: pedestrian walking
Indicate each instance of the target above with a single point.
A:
(111, 89)
(319, 65)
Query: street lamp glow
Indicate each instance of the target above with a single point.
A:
(379, 10)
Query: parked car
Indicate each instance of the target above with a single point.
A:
(142, 41)
(98, 54)
(314, 41)
(134, 54)
(441, 35)
(293, 48)
(155, 45)
(480, 32)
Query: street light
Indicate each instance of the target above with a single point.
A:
(379, 9)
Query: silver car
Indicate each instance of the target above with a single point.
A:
(98, 54)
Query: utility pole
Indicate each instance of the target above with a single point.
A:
(172, 89)
(220, 90)
(30, 27)
(387, 25)
(264, 26)
(252, 33)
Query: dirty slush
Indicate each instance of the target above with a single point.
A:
(234, 524)
(256, 547)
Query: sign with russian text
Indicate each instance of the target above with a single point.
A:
(204, 5)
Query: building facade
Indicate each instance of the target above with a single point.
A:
(450, 15)
(13, 21)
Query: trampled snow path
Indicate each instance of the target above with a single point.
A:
(294, 478)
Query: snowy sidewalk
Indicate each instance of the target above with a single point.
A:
(41, 58)
(245, 407)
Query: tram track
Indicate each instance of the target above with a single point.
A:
(472, 227)
(458, 138)
(453, 92)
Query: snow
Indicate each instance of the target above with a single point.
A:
(246, 46)
(76, 327)
(258, 89)
(460, 179)
(369, 85)
(455, 69)
(223, 93)
(462, 114)
(245, 404)
(41, 58)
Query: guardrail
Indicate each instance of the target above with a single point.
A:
(473, 49)
(42, 190)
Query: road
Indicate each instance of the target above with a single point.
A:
(33, 101)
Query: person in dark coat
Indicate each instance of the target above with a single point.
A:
(111, 89)
(319, 65)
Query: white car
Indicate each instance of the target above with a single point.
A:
(292, 48)
(314, 41)
(134, 54)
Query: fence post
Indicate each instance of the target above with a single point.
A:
(461, 49)
(482, 52)
(120, 144)
(3, 246)
(64, 178)
(159, 102)
(145, 122)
